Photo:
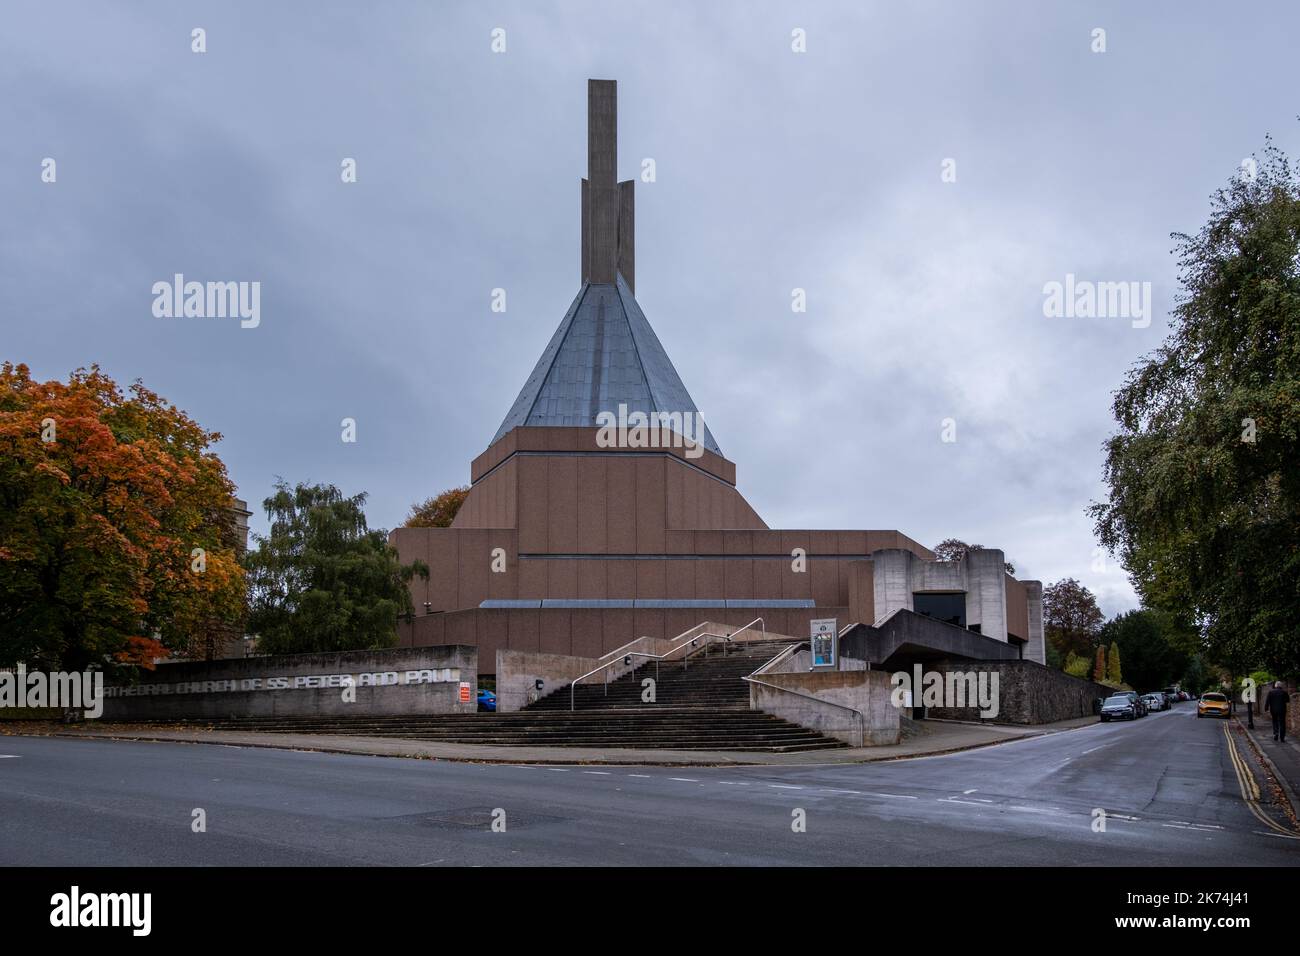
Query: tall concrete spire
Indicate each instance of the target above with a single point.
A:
(607, 205)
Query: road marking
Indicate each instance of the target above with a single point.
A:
(896, 796)
(1270, 833)
(733, 783)
(643, 776)
(558, 769)
(598, 773)
(833, 790)
(683, 779)
(1244, 775)
(782, 786)
(1093, 750)
(1033, 809)
(9, 756)
(974, 803)
(969, 792)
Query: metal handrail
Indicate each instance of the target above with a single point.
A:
(786, 652)
(689, 642)
(654, 657)
(862, 724)
(619, 651)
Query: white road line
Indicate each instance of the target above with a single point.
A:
(558, 769)
(1093, 750)
(972, 790)
(683, 779)
(9, 756)
(1272, 834)
(1032, 809)
(895, 796)
(782, 786)
(832, 790)
(974, 803)
(643, 776)
(598, 773)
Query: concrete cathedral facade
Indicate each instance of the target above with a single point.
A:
(579, 535)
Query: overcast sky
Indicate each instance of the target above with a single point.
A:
(775, 170)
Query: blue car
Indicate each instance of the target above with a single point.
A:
(487, 700)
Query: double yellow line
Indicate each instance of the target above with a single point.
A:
(1249, 788)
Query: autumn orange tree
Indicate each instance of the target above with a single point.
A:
(438, 511)
(117, 539)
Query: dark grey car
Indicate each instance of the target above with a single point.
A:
(1119, 707)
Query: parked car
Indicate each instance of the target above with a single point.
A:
(1120, 707)
(1155, 701)
(487, 700)
(1138, 703)
(1213, 705)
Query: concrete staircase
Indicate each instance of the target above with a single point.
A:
(700, 705)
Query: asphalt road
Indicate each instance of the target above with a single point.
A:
(1166, 782)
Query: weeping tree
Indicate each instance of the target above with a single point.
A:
(322, 580)
(1204, 486)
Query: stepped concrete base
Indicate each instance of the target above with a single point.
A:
(932, 737)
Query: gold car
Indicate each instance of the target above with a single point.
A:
(1212, 705)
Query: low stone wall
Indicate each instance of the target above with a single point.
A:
(825, 701)
(1028, 693)
(519, 671)
(425, 680)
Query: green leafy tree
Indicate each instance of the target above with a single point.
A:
(1075, 665)
(1099, 665)
(1196, 677)
(1071, 618)
(439, 511)
(321, 580)
(1114, 673)
(954, 549)
(1152, 646)
(1204, 502)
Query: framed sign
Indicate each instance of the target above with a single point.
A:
(825, 642)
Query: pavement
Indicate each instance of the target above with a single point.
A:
(1166, 790)
(927, 737)
(1281, 758)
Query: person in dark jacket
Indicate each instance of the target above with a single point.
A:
(1275, 705)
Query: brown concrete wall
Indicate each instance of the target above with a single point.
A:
(589, 632)
(1017, 609)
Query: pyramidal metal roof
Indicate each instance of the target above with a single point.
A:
(604, 354)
